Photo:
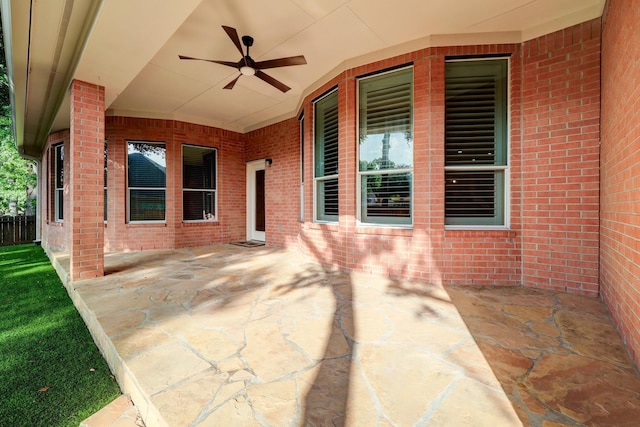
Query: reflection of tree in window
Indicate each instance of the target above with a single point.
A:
(146, 181)
(386, 147)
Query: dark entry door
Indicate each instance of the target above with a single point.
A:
(260, 216)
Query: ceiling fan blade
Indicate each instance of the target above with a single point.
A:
(233, 35)
(281, 62)
(227, 63)
(232, 83)
(273, 82)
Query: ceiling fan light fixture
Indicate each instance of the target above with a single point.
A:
(247, 71)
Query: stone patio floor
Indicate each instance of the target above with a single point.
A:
(232, 336)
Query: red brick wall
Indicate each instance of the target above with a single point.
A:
(560, 154)
(620, 169)
(52, 233)
(552, 241)
(281, 143)
(121, 236)
(85, 222)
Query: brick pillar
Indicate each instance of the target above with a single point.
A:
(85, 220)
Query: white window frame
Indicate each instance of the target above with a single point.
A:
(317, 180)
(106, 171)
(301, 122)
(381, 221)
(129, 220)
(201, 190)
(506, 169)
(58, 192)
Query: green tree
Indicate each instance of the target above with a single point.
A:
(17, 175)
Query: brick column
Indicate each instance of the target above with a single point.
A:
(85, 220)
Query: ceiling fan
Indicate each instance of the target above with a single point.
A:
(248, 67)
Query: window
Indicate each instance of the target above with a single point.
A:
(475, 142)
(105, 178)
(146, 178)
(198, 183)
(326, 157)
(386, 147)
(58, 167)
(301, 120)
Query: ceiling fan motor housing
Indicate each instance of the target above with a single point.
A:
(247, 41)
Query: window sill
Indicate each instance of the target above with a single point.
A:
(200, 223)
(384, 229)
(330, 226)
(468, 232)
(146, 224)
(476, 228)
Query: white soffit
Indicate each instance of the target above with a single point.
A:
(125, 38)
(134, 47)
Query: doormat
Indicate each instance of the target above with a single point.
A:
(248, 243)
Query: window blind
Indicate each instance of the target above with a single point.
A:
(470, 120)
(329, 145)
(326, 157)
(387, 109)
(475, 142)
(199, 183)
(386, 147)
(146, 178)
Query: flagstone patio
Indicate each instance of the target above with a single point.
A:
(232, 336)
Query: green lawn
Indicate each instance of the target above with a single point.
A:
(51, 372)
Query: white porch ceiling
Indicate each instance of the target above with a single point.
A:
(133, 47)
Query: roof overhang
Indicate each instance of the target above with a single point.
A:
(44, 41)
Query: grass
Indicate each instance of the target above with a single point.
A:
(51, 372)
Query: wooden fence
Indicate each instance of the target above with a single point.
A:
(15, 230)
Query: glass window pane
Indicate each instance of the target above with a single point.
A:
(106, 151)
(326, 157)
(147, 205)
(59, 205)
(387, 196)
(327, 199)
(198, 167)
(58, 182)
(146, 165)
(387, 151)
(475, 137)
(475, 113)
(198, 173)
(146, 179)
(198, 205)
(386, 145)
(386, 121)
(326, 136)
(59, 166)
(474, 195)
